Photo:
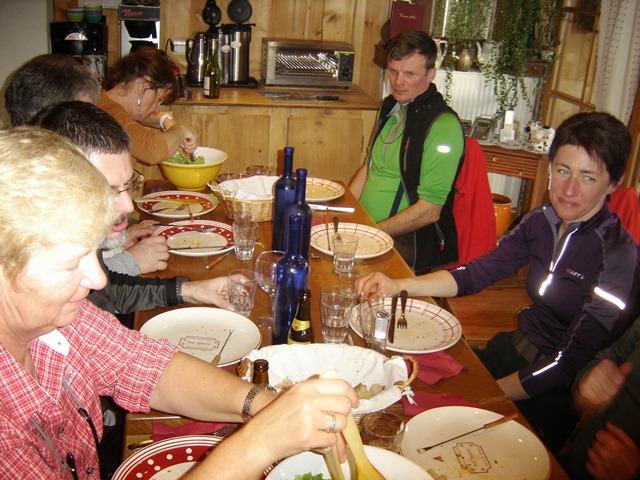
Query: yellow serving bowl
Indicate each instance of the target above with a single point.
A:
(195, 177)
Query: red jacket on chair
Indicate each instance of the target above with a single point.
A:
(473, 206)
(624, 203)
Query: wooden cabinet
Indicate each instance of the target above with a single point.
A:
(530, 166)
(330, 137)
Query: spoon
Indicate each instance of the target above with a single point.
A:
(336, 221)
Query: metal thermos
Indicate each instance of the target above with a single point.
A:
(239, 40)
(224, 42)
(196, 59)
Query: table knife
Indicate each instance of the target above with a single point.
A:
(486, 426)
(392, 322)
(324, 208)
(179, 249)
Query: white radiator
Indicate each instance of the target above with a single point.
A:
(472, 96)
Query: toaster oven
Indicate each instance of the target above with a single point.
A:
(307, 63)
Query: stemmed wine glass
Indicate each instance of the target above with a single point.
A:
(266, 275)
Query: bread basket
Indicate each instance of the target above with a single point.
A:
(246, 195)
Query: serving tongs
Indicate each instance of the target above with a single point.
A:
(364, 470)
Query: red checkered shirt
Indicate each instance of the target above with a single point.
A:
(97, 356)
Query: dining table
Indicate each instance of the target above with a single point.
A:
(474, 383)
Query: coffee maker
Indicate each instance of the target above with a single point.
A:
(233, 40)
(139, 25)
(86, 42)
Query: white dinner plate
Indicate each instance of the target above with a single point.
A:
(506, 451)
(321, 190)
(184, 239)
(202, 331)
(166, 459)
(372, 242)
(199, 204)
(430, 328)
(391, 465)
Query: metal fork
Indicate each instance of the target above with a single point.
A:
(225, 431)
(182, 207)
(402, 321)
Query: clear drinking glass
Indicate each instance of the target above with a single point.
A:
(266, 275)
(242, 290)
(344, 251)
(244, 239)
(370, 304)
(335, 307)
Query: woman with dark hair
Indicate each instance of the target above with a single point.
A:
(139, 84)
(583, 275)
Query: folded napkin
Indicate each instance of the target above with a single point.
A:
(433, 367)
(162, 431)
(426, 401)
(258, 187)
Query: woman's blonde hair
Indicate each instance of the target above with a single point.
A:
(51, 195)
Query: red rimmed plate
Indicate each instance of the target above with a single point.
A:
(372, 242)
(167, 459)
(430, 328)
(199, 204)
(187, 238)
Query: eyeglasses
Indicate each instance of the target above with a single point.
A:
(70, 464)
(132, 185)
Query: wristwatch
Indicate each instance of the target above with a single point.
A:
(166, 116)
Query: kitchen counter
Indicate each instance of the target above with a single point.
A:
(252, 125)
(288, 97)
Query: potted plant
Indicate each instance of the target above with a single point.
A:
(466, 22)
(516, 21)
(551, 11)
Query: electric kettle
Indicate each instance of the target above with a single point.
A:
(196, 56)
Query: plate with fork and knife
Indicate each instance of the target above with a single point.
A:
(177, 204)
(198, 238)
(429, 328)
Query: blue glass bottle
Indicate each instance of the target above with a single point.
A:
(300, 207)
(292, 276)
(284, 195)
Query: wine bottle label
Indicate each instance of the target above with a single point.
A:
(298, 330)
(207, 85)
(299, 325)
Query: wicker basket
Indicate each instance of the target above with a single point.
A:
(260, 210)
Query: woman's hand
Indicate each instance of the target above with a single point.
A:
(299, 419)
(377, 282)
(189, 141)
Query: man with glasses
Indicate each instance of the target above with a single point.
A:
(107, 145)
(47, 80)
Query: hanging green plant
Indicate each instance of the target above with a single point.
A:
(462, 23)
(547, 37)
(517, 20)
(448, 85)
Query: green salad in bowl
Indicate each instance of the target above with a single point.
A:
(182, 160)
